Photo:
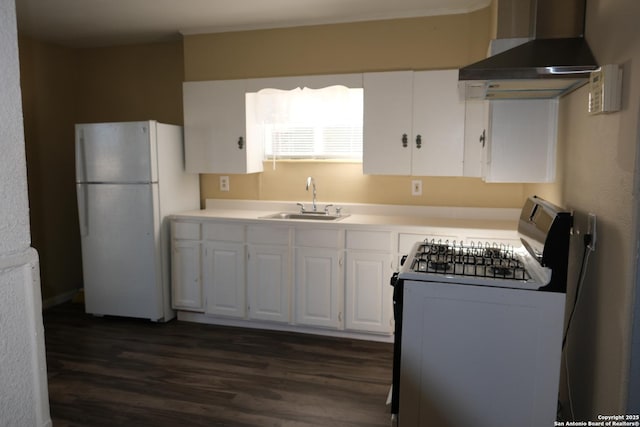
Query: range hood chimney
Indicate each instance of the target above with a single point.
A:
(550, 57)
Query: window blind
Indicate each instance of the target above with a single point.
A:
(310, 123)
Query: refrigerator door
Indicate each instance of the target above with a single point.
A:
(116, 152)
(120, 250)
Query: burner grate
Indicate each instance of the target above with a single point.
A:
(493, 260)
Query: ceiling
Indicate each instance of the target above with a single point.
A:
(91, 23)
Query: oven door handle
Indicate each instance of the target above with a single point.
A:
(394, 279)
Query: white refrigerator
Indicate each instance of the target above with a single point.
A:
(129, 177)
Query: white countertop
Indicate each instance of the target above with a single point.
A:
(362, 215)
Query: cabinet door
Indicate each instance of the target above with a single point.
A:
(317, 287)
(476, 120)
(369, 305)
(268, 283)
(186, 286)
(438, 124)
(224, 280)
(387, 120)
(522, 143)
(214, 128)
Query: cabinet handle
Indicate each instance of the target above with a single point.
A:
(419, 141)
(483, 137)
(240, 143)
(405, 140)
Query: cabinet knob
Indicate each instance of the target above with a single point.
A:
(419, 141)
(240, 143)
(405, 140)
(483, 137)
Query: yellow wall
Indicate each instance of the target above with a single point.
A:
(345, 183)
(48, 74)
(600, 164)
(419, 43)
(128, 83)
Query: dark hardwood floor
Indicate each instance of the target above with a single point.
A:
(126, 372)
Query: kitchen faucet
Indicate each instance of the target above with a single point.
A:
(311, 181)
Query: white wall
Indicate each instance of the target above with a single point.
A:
(23, 377)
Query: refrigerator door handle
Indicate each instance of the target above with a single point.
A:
(83, 209)
(81, 160)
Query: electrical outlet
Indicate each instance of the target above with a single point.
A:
(591, 229)
(224, 183)
(416, 187)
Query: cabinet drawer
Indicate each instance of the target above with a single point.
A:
(223, 231)
(268, 235)
(369, 240)
(185, 230)
(321, 238)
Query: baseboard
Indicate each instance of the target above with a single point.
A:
(59, 299)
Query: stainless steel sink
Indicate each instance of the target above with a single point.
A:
(314, 216)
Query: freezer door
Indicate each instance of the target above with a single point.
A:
(121, 250)
(116, 152)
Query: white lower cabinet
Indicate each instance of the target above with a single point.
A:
(368, 295)
(319, 277)
(368, 299)
(223, 276)
(318, 282)
(296, 277)
(223, 269)
(186, 283)
(268, 273)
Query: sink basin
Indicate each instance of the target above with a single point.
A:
(314, 216)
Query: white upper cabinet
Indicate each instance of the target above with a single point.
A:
(517, 140)
(387, 133)
(215, 129)
(413, 123)
(523, 138)
(438, 124)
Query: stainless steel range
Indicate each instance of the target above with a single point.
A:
(479, 327)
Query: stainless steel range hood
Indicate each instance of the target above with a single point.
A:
(555, 59)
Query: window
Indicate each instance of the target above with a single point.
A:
(307, 123)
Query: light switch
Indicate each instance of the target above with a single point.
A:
(416, 187)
